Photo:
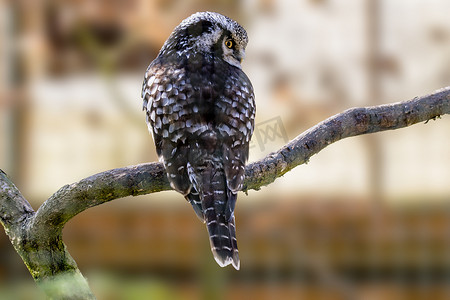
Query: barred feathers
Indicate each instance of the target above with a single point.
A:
(214, 204)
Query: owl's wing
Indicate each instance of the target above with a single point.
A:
(165, 115)
(237, 129)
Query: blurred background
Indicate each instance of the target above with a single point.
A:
(366, 218)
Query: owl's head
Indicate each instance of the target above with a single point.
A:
(208, 33)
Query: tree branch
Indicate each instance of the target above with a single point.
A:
(44, 253)
(37, 237)
(352, 122)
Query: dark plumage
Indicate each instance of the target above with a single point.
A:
(200, 110)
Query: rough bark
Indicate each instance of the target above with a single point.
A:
(37, 236)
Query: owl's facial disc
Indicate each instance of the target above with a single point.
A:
(232, 52)
(221, 42)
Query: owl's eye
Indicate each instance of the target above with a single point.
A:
(229, 44)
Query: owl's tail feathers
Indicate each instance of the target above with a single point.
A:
(222, 237)
(214, 204)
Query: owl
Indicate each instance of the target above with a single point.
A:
(200, 110)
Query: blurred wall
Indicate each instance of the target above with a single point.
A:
(72, 74)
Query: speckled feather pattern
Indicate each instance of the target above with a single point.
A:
(200, 110)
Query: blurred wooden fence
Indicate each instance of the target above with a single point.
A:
(353, 241)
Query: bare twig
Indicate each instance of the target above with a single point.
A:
(37, 236)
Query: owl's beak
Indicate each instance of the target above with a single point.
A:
(241, 56)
